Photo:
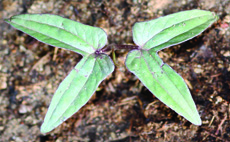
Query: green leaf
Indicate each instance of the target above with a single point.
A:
(76, 89)
(163, 82)
(172, 29)
(61, 32)
(159, 78)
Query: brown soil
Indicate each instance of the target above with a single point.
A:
(123, 109)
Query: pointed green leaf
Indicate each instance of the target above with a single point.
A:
(76, 89)
(163, 82)
(172, 29)
(61, 32)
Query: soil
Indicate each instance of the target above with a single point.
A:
(123, 109)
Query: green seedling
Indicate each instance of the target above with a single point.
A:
(143, 61)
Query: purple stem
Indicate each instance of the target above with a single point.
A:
(117, 47)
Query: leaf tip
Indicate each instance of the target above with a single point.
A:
(197, 121)
(45, 128)
(7, 20)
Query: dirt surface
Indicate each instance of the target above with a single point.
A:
(123, 109)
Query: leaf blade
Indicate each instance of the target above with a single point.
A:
(165, 31)
(163, 82)
(61, 32)
(79, 86)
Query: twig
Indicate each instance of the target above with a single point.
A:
(55, 53)
(221, 123)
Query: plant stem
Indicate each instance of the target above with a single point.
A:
(129, 47)
(117, 47)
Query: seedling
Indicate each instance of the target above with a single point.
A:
(143, 61)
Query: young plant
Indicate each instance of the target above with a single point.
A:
(143, 61)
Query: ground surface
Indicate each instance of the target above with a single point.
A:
(123, 110)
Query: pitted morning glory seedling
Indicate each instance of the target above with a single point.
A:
(143, 61)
